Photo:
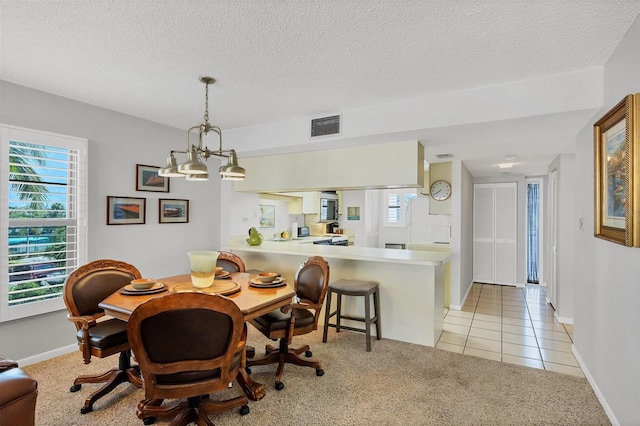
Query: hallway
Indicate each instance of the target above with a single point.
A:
(512, 325)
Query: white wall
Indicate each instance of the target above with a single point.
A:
(607, 296)
(566, 225)
(461, 234)
(117, 143)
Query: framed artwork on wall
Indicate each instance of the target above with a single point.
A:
(267, 216)
(125, 210)
(617, 173)
(173, 211)
(147, 179)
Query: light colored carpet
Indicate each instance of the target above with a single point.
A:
(395, 384)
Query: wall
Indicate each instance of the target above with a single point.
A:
(461, 234)
(607, 275)
(117, 143)
(566, 226)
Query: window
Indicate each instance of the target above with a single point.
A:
(397, 206)
(44, 202)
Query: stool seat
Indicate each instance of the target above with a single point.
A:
(345, 287)
(351, 287)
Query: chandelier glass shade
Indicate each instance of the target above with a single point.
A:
(193, 168)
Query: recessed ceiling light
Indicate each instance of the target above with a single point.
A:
(505, 165)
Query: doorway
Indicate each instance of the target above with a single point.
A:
(533, 230)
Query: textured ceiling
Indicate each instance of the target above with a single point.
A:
(276, 60)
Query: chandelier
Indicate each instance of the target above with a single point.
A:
(193, 168)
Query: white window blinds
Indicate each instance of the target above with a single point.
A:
(44, 202)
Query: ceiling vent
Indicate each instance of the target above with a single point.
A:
(444, 156)
(326, 126)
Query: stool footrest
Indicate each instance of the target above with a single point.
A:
(349, 328)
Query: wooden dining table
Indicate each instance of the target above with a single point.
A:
(253, 302)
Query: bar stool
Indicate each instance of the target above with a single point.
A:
(354, 288)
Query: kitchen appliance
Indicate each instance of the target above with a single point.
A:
(329, 227)
(303, 231)
(334, 241)
(328, 206)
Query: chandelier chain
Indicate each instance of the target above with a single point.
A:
(206, 103)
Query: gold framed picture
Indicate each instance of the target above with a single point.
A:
(617, 173)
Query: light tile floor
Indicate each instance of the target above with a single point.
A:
(513, 325)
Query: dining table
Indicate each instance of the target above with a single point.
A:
(253, 302)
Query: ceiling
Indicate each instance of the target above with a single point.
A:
(277, 60)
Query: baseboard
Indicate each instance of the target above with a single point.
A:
(563, 320)
(464, 299)
(47, 355)
(607, 409)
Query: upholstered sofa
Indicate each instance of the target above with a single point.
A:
(18, 393)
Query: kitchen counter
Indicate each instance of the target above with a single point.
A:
(411, 282)
(372, 254)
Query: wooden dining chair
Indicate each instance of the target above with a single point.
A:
(230, 262)
(188, 345)
(300, 317)
(85, 288)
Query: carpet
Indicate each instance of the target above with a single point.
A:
(396, 383)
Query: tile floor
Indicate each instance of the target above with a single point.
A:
(513, 325)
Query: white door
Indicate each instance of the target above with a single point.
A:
(553, 215)
(495, 233)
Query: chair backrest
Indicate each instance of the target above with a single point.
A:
(187, 344)
(90, 284)
(230, 262)
(312, 279)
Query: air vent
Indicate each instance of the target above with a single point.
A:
(443, 156)
(325, 126)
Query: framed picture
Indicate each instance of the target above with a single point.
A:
(617, 173)
(173, 211)
(125, 210)
(353, 213)
(147, 179)
(267, 216)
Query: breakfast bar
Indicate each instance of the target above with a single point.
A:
(411, 282)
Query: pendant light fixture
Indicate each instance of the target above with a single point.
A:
(193, 168)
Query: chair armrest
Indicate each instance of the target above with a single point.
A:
(84, 321)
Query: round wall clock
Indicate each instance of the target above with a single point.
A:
(440, 190)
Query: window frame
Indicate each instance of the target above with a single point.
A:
(404, 206)
(78, 217)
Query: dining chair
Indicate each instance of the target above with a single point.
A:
(300, 317)
(230, 262)
(85, 288)
(188, 345)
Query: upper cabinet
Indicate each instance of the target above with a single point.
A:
(311, 202)
(397, 164)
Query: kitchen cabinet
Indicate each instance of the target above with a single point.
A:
(311, 202)
(295, 205)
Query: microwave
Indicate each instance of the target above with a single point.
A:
(303, 231)
(328, 207)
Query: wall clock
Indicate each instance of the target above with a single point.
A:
(440, 190)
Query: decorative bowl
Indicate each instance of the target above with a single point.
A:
(267, 277)
(143, 283)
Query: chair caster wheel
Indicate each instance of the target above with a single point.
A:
(248, 370)
(308, 354)
(279, 386)
(244, 410)
(149, 420)
(319, 372)
(85, 410)
(75, 388)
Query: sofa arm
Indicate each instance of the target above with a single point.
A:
(18, 393)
